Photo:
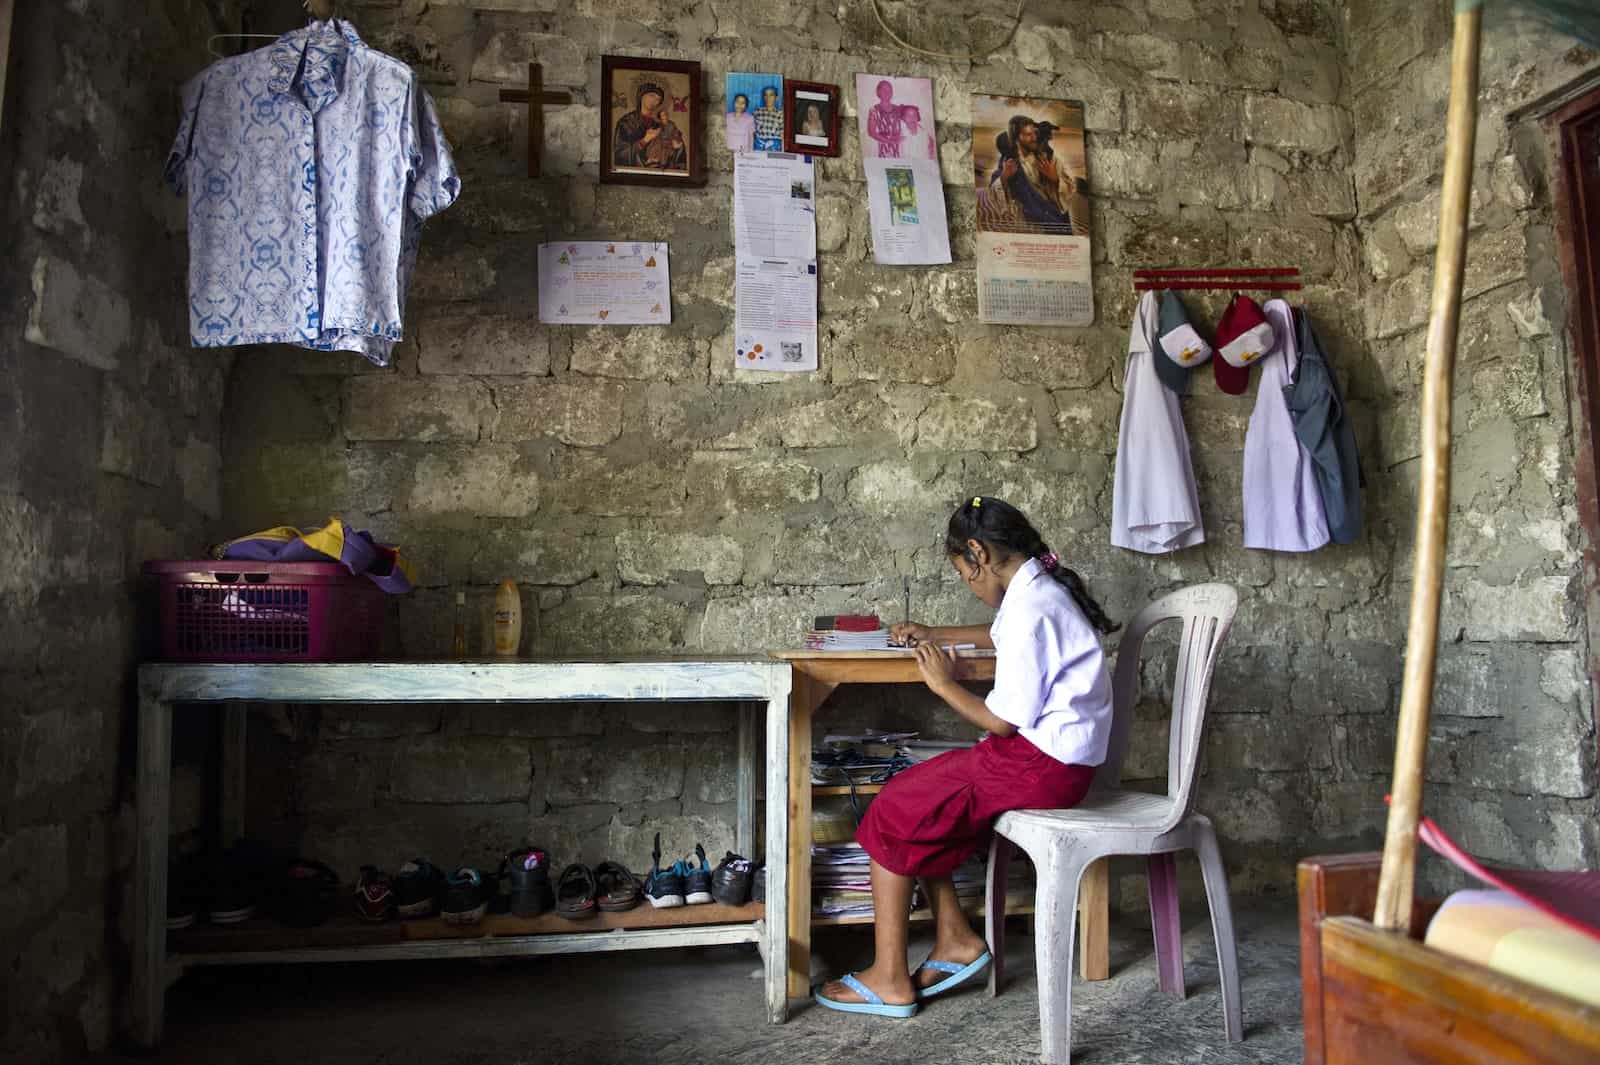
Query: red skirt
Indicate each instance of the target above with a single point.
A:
(931, 818)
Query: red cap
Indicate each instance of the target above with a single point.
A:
(1243, 337)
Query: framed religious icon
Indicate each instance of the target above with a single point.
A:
(813, 118)
(651, 124)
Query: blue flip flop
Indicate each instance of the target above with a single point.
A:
(874, 1004)
(961, 974)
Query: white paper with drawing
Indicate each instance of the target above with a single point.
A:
(775, 314)
(900, 158)
(603, 282)
(774, 206)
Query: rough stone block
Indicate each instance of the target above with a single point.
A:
(951, 423)
(476, 344)
(486, 481)
(199, 468)
(899, 487)
(134, 438)
(1160, 240)
(635, 834)
(1266, 743)
(506, 55)
(894, 353)
(535, 720)
(644, 353)
(449, 769)
(829, 555)
(36, 864)
(586, 483)
(647, 556)
(1054, 359)
(1538, 610)
(741, 486)
(1283, 123)
(619, 625)
(581, 413)
(1087, 420)
(1152, 56)
(850, 417)
(1495, 258)
(77, 315)
(539, 556)
(339, 778)
(379, 722)
(451, 275)
(385, 408)
(1176, 112)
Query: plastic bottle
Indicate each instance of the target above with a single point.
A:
(507, 618)
(459, 646)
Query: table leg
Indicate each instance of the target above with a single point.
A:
(779, 784)
(235, 717)
(153, 793)
(808, 694)
(749, 754)
(1094, 922)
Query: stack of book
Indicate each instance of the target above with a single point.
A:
(841, 882)
(848, 632)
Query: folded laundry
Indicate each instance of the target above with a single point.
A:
(360, 553)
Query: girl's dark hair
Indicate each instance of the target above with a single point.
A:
(1008, 533)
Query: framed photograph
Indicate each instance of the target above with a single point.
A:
(813, 117)
(755, 112)
(651, 122)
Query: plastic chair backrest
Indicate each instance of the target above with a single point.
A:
(1207, 612)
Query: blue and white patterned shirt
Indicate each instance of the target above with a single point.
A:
(310, 166)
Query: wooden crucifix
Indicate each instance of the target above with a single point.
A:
(535, 97)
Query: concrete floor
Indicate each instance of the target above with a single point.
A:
(704, 1006)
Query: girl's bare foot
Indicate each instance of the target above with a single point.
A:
(963, 951)
(896, 992)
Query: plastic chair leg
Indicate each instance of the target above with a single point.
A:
(1216, 879)
(1162, 875)
(1055, 922)
(1001, 851)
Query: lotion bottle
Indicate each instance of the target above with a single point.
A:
(507, 619)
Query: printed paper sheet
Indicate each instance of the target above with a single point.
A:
(775, 314)
(600, 282)
(774, 206)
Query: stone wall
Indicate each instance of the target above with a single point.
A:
(1511, 767)
(647, 495)
(109, 454)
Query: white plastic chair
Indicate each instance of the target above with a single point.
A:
(1063, 843)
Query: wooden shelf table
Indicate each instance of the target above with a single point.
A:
(816, 675)
(160, 957)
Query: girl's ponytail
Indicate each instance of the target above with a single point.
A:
(996, 522)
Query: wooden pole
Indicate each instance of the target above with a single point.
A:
(1397, 876)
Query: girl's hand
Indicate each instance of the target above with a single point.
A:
(910, 634)
(938, 666)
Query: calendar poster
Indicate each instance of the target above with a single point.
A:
(1033, 211)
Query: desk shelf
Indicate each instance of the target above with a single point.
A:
(844, 789)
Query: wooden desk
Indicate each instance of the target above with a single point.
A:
(227, 689)
(816, 675)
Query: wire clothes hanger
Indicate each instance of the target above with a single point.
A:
(319, 10)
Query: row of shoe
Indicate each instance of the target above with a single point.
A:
(236, 884)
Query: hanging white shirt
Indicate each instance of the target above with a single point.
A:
(1050, 677)
(1154, 506)
(1282, 504)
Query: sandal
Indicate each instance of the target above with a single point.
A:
(871, 1003)
(575, 891)
(616, 888)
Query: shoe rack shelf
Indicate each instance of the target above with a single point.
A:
(341, 934)
(760, 685)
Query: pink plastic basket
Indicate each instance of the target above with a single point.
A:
(266, 612)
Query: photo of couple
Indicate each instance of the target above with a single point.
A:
(1028, 166)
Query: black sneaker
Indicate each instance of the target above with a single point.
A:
(416, 888)
(234, 887)
(374, 894)
(697, 880)
(527, 871)
(730, 882)
(466, 897)
(185, 883)
(305, 893)
(663, 887)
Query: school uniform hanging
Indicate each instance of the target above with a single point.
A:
(310, 166)
(1324, 430)
(1282, 503)
(1154, 505)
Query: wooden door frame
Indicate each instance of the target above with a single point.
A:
(1578, 247)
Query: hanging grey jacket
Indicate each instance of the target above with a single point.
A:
(1324, 430)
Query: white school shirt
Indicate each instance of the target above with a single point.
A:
(1282, 504)
(1050, 676)
(1154, 506)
